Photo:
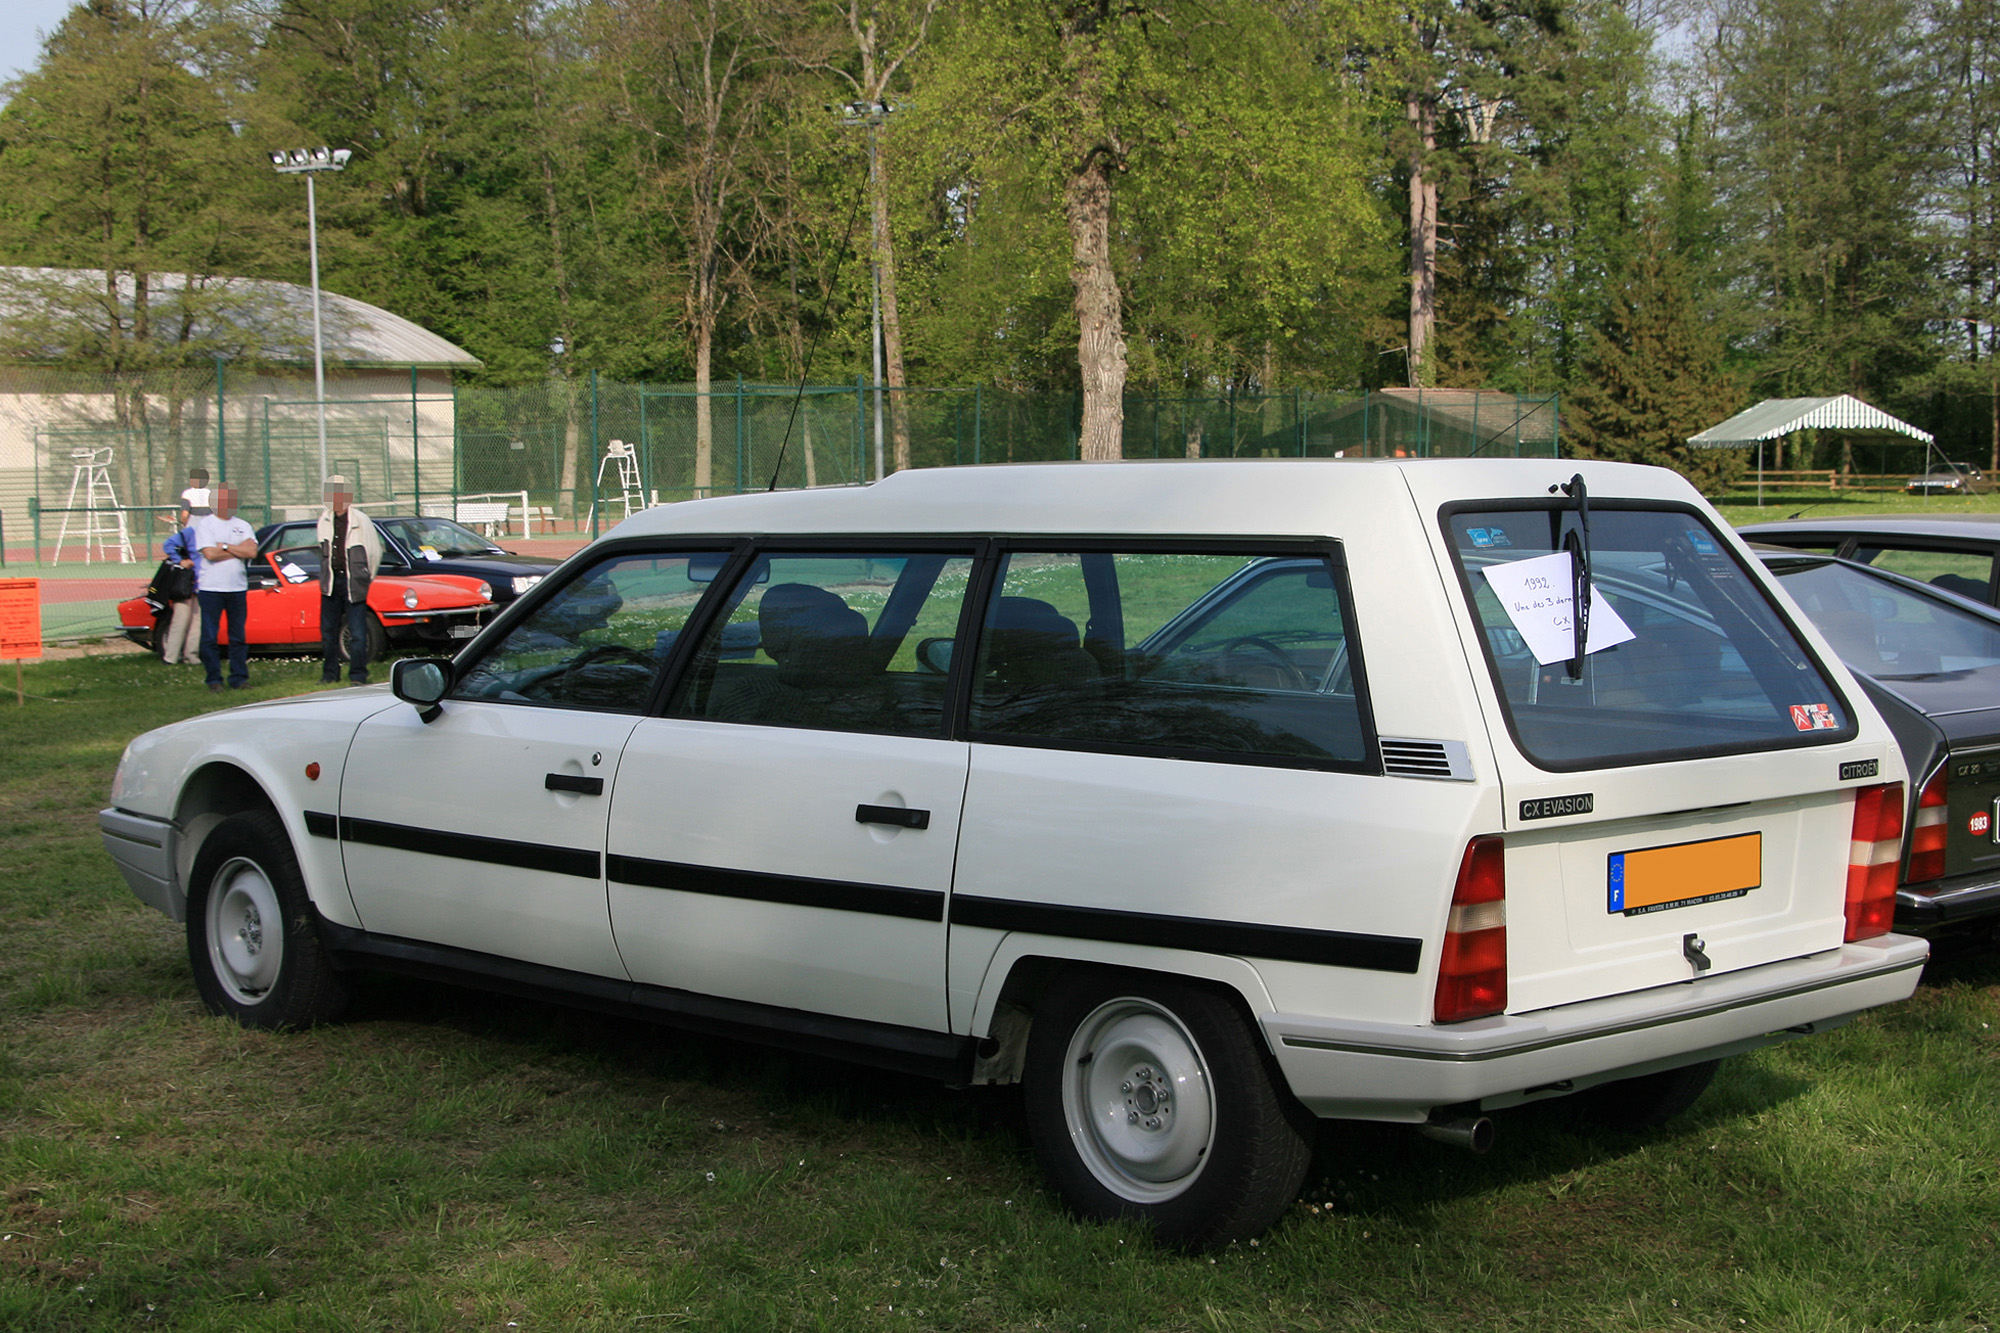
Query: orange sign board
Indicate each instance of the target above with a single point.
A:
(20, 619)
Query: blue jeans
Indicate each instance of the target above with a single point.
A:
(214, 606)
(336, 611)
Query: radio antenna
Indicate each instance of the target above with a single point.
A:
(805, 371)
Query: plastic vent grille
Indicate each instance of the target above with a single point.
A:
(1444, 761)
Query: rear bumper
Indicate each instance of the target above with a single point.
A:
(146, 851)
(1374, 1071)
(1955, 900)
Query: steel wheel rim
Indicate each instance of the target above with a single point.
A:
(1138, 1101)
(246, 936)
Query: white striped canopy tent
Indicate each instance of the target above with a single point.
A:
(1777, 417)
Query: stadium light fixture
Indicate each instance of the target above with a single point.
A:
(307, 162)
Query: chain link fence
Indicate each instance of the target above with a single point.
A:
(92, 466)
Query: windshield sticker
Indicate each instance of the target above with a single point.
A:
(1814, 717)
(1702, 543)
(1489, 537)
(1536, 595)
(429, 553)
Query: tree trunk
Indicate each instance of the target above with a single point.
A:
(1100, 349)
(704, 416)
(892, 324)
(1422, 112)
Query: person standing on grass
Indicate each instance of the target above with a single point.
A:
(178, 647)
(349, 550)
(224, 542)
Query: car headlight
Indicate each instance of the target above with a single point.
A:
(523, 582)
(485, 592)
(410, 598)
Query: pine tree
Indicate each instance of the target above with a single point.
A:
(1653, 377)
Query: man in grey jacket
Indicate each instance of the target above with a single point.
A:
(349, 551)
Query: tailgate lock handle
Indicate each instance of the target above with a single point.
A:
(1692, 946)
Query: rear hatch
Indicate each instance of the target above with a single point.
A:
(1679, 796)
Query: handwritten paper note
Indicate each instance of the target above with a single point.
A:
(1538, 595)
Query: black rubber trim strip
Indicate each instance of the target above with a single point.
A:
(322, 825)
(908, 1050)
(1593, 1034)
(796, 890)
(1290, 944)
(471, 847)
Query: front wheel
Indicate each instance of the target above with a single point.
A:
(256, 953)
(378, 640)
(1151, 1099)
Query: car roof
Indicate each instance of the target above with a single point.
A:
(1975, 527)
(1141, 497)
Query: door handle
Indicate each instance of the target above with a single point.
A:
(575, 782)
(895, 816)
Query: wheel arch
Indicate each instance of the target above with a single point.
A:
(1017, 975)
(221, 787)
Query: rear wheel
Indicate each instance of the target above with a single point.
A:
(1151, 1099)
(1647, 1101)
(256, 952)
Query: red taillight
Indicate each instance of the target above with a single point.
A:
(1472, 967)
(1872, 858)
(1927, 833)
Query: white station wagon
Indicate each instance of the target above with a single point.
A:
(1202, 799)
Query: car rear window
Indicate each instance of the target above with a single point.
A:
(1710, 665)
(1887, 631)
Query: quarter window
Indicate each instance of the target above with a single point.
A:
(1198, 654)
(1967, 573)
(598, 642)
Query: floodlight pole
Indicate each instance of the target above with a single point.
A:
(307, 162)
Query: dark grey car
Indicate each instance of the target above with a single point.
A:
(1953, 553)
(1931, 664)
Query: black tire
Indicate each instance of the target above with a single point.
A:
(1648, 1101)
(378, 640)
(1190, 1133)
(256, 952)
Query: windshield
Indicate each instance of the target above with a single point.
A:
(1890, 632)
(1686, 655)
(436, 538)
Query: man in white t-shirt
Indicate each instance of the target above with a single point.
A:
(221, 581)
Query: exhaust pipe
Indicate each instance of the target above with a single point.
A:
(1473, 1133)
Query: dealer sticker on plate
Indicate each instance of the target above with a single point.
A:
(1656, 879)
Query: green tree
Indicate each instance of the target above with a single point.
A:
(1652, 376)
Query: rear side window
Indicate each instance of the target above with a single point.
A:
(1190, 653)
(1710, 666)
(1967, 573)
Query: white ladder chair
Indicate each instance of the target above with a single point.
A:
(103, 525)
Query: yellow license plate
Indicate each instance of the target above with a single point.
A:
(1656, 879)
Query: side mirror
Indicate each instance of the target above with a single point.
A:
(935, 655)
(422, 681)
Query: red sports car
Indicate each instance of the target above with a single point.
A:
(429, 610)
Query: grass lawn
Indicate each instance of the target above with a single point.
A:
(447, 1160)
(1740, 505)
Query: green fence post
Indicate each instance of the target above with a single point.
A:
(645, 450)
(861, 427)
(35, 522)
(267, 457)
(978, 405)
(739, 434)
(1555, 427)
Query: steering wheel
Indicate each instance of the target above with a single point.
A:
(1294, 679)
(604, 652)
